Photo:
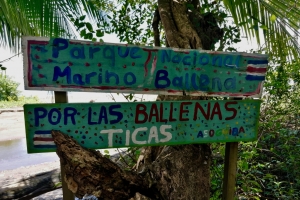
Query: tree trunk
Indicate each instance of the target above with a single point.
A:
(182, 172)
(165, 172)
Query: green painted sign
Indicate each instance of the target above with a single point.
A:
(112, 125)
(68, 65)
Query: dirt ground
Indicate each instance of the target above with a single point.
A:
(8, 177)
(12, 127)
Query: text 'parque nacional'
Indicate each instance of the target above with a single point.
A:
(67, 65)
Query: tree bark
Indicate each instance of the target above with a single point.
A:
(181, 172)
(89, 172)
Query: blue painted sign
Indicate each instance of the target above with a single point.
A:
(113, 125)
(68, 65)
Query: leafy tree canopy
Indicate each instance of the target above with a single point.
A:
(274, 24)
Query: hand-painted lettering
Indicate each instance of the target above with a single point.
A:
(54, 116)
(77, 52)
(69, 112)
(231, 110)
(140, 110)
(56, 46)
(161, 79)
(103, 125)
(109, 53)
(58, 73)
(114, 112)
(182, 111)
(39, 113)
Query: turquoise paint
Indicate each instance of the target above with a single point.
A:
(112, 125)
(68, 65)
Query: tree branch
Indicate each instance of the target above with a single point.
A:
(89, 172)
(165, 13)
(155, 23)
(190, 38)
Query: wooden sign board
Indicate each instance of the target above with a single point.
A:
(69, 65)
(113, 125)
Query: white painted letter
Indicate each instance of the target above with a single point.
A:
(110, 135)
(153, 134)
(127, 137)
(205, 133)
(135, 132)
(167, 134)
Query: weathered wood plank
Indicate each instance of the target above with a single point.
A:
(230, 167)
(62, 97)
(113, 125)
(70, 65)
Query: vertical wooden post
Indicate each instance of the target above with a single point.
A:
(62, 97)
(230, 166)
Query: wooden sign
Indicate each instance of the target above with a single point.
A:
(112, 125)
(67, 65)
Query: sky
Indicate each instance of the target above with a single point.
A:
(15, 71)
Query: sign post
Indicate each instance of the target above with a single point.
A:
(230, 166)
(62, 97)
(63, 65)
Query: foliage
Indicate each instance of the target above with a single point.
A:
(231, 31)
(20, 102)
(132, 21)
(129, 20)
(268, 168)
(48, 18)
(276, 20)
(8, 89)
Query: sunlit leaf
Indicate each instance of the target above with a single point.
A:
(273, 18)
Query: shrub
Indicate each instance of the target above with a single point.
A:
(269, 167)
(8, 89)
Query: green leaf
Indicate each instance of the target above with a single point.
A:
(88, 36)
(76, 22)
(190, 6)
(89, 27)
(271, 13)
(83, 32)
(255, 27)
(263, 27)
(82, 18)
(80, 25)
(99, 33)
(58, 184)
(273, 18)
(236, 40)
(48, 18)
